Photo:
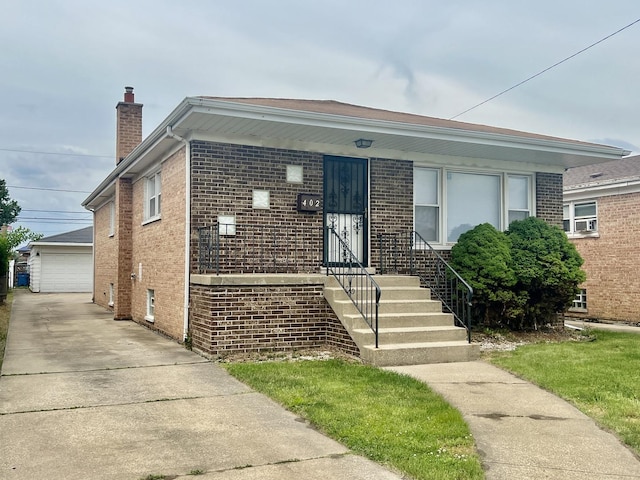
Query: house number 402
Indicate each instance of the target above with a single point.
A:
(309, 202)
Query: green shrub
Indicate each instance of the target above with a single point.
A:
(547, 267)
(521, 278)
(482, 257)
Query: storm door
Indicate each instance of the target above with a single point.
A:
(345, 207)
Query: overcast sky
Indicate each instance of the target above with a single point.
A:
(64, 65)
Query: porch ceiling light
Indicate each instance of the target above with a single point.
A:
(363, 143)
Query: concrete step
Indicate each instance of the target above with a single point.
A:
(388, 336)
(409, 306)
(429, 319)
(396, 281)
(413, 328)
(420, 353)
(405, 293)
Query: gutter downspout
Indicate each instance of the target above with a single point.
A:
(187, 228)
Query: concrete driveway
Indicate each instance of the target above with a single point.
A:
(85, 397)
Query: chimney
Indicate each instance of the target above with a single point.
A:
(129, 125)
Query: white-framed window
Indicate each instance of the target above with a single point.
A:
(111, 294)
(580, 302)
(580, 218)
(153, 197)
(112, 219)
(519, 197)
(426, 201)
(449, 202)
(151, 306)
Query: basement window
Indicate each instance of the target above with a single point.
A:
(111, 291)
(151, 301)
(580, 302)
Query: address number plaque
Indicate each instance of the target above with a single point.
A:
(309, 202)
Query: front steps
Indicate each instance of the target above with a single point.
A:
(412, 328)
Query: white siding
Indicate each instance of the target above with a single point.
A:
(66, 269)
(34, 270)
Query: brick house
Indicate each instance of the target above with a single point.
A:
(602, 219)
(220, 226)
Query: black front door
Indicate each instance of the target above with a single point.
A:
(345, 205)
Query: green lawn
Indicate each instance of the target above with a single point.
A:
(390, 418)
(601, 378)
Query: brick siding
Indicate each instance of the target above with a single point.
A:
(227, 320)
(106, 260)
(611, 260)
(549, 198)
(391, 193)
(223, 179)
(122, 281)
(128, 128)
(159, 248)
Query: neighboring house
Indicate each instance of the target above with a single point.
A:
(214, 228)
(602, 219)
(62, 263)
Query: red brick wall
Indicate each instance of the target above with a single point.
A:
(229, 320)
(611, 260)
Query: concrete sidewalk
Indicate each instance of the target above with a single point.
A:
(85, 397)
(524, 432)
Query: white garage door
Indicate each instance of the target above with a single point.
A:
(66, 272)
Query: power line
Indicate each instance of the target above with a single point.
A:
(20, 218)
(16, 150)
(545, 70)
(49, 189)
(55, 211)
(54, 220)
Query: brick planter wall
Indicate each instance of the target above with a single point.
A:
(236, 319)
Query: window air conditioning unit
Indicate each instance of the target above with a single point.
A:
(586, 225)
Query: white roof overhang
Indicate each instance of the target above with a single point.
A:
(200, 117)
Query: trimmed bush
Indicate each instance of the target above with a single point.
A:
(547, 267)
(482, 257)
(521, 278)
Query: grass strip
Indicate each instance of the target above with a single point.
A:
(389, 418)
(601, 378)
(5, 314)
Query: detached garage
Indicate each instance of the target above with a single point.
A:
(62, 263)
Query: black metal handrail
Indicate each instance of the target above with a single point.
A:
(353, 277)
(409, 253)
(256, 248)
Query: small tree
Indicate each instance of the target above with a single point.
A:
(8, 243)
(547, 267)
(9, 209)
(482, 257)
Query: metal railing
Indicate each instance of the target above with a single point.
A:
(254, 248)
(358, 284)
(409, 253)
